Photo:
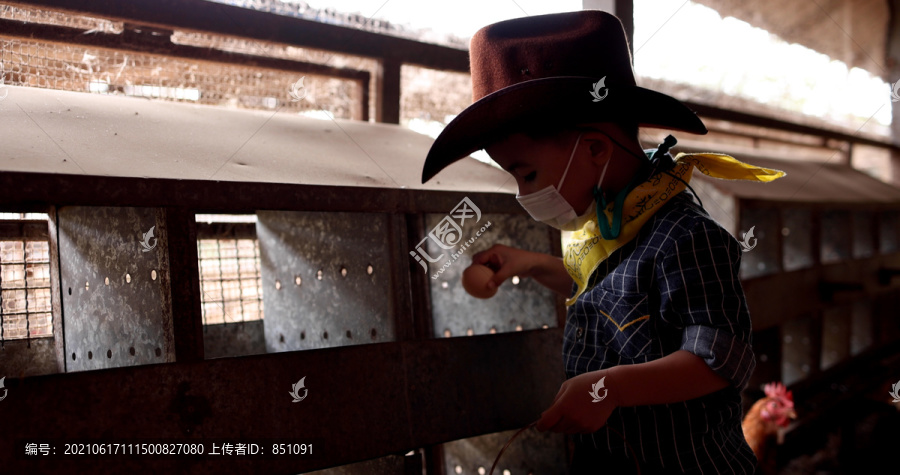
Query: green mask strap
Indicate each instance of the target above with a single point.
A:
(651, 160)
(611, 232)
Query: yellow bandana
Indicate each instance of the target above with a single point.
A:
(587, 248)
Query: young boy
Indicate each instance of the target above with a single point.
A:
(657, 339)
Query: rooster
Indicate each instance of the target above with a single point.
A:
(764, 421)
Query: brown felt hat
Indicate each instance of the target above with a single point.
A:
(550, 69)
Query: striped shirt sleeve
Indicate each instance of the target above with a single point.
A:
(700, 291)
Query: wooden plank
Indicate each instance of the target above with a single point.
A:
(184, 283)
(20, 192)
(363, 401)
(59, 340)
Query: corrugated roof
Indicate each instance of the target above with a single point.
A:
(51, 131)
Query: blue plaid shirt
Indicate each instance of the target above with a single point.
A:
(673, 287)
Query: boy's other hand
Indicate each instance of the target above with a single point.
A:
(574, 412)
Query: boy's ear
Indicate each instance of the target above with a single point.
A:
(601, 147)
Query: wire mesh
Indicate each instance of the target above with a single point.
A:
(230, 280)
(25, 310)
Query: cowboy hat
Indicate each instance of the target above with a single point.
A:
(546, 70)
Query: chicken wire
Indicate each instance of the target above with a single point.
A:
(25, 290)
(70, 67)
(230, 280)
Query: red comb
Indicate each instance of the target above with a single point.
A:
(778, 390)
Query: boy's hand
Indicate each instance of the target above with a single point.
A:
(506, 262)
(573, 411)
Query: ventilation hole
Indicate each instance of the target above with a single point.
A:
(480, 470)
(374, 333)
(90, 355)
(298, 281)
(370, 269)
(153, 274)
(73, 356)
(506, 472)
(70, 290)
(128, 278)
(326, 335)
(343, 272)
(458, 469)
(158, 352)
(544, 326)
(447, 333)
(493, 330)
(444, 285)
(109, 353)
(515, 280)
(349, 335)
(281, 338)
(302, 335)
(319, 274)
(106, 281)
(518, 328)
(277, 285)
(131, 350)
(470, 332)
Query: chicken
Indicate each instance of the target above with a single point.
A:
(765, 419)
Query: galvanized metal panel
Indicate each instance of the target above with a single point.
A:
(519, 306)
(527, 304)
(115, 313)
(326, 279)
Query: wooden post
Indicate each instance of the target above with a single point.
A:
(187, 316)
(387, 99)
(893, 62)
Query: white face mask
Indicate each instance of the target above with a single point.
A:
(549, 207)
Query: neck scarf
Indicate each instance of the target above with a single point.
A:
(587, 248)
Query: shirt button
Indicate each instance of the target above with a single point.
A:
(579, 332)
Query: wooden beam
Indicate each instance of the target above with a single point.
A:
(213, 17)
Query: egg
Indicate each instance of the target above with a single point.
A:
(475, 279)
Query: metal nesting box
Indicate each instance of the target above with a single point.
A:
(341, 216)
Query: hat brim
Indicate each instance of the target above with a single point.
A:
(553, 101)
